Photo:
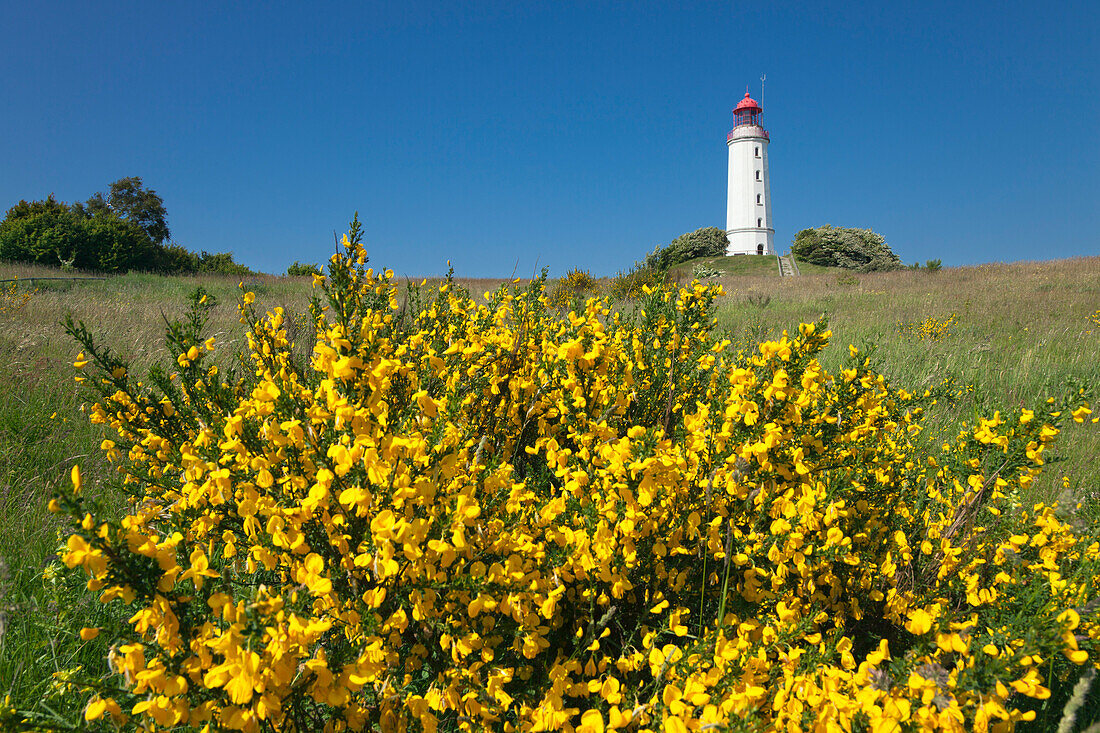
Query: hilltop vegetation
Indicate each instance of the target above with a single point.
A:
(705, 242)
(124, 230)
(655, 267)
(861, 250)
(702, 254)
(738, 266)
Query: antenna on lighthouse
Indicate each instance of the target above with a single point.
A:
(762, 78)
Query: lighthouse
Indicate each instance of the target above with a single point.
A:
(748, 194)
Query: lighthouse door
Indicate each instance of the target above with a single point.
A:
(759, 249)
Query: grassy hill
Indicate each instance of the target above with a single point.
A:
(1010, 333)
(742, 266)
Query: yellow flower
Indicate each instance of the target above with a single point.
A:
(919, 622)
(200, 569)
(674, 725)
(591, 722)
(95, 709)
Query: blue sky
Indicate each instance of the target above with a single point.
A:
(509, 136)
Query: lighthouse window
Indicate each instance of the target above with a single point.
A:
(758, 199)
(757, 151)
(758, 175)
(759, 222)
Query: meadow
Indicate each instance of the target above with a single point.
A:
(1017, 332)
(999, 336)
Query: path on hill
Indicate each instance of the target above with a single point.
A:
(787, 267)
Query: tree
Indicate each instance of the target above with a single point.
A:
(122, 230)
(117, 232)
(172, 259)
(299, 269)
(49, 232)
(130, 200)
(43, 232)
(705, 242)
(221, 263)
(854, 249)
(113, 244)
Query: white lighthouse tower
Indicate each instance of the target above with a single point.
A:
(748, 195)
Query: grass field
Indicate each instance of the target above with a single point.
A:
(1015, 333)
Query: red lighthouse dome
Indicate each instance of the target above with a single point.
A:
(747, 112)
(748, 104)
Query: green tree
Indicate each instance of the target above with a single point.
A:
(43, 232)
(130, 200)
(221, 263)
(173, 258)
(49, 232)
(122, 230)
(113, 244)
(299, 269)
(705, 242)
(854, 249)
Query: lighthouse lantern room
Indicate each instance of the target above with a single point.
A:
(748, 194)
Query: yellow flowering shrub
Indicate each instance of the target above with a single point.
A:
(577, 283)
(464, 516)
(12, 298)
(631, 285)
(930, 329)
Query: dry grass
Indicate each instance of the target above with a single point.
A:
(129, 312)
(23, 271)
